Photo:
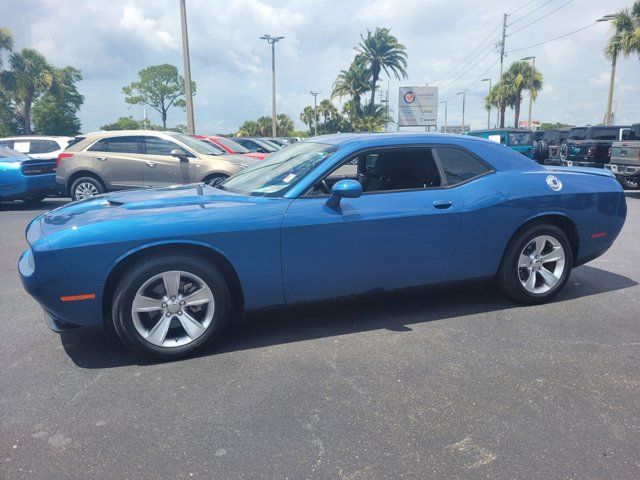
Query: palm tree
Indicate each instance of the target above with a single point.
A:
(307, 117)
(353, 82)
(501, 96)
(265, 125)
(248, 129)
(523, 76)
(30, 75)
(381, 51)
(6, 42)
(625, 41)
(327, 110)
(284, 124)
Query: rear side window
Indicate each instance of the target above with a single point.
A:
(160, 146)
(578, 134)
(459, 166)
(6, 143)
(127, 144)
(43, 146)
(605, 134)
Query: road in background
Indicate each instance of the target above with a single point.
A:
(455, 383)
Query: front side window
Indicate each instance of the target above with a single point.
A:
(159, 146)
(459, 166)
(280, 171)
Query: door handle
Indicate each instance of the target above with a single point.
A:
(151, 164)
(442, 204)
(101, 158)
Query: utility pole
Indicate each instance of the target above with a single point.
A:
(315, 112)
(272, 41)
(464, 96)
(504, 35)
(445, 114)
(488, 109)
(191, 128)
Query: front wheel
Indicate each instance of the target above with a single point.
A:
(628, 183)
(170, 306)
(536, 264)
(214, 180)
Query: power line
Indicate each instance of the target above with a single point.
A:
(522, 6)
(551, 39)
(482, 74)
(542, 17)
(531, 12)
(465, 65)
(464, 60)
(457, 76)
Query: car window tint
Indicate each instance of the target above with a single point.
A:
(6, 143)
(578, 134)
(99, 146)
(605, 134)
(458, 165)
(160, 146)
(124, 145)
(43, 146)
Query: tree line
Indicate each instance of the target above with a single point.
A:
(35, 96)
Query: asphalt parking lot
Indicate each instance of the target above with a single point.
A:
(438, 383)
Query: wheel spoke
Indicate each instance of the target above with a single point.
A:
(171, 283)
(531, 281)
(549, 278)
(540, 243)
(524, 261)
(146, 304)
(554, 256)
(192, 326)
(199, 297)
(159, 331)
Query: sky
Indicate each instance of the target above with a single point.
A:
(450, 44)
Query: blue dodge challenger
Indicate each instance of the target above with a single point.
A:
(335, 216)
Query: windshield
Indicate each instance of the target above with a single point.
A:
(266, 145)
(215, 147)
(280, 171)
(517, 139)
(199, 146)
(235, 147)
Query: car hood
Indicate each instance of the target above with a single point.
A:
(168, 203)
(241, 160)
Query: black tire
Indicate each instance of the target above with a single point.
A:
(628, 183)
(509, 273)
(563, 151)
(146, 269)
(33, 201)
(213, 180)
(74, 191)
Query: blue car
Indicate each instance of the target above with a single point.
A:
(24, 178)
(337, 216)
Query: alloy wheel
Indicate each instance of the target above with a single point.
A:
(173, 309)
(86, 190)
(541, 264)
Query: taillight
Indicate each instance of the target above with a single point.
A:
(591, 152)
(61, 156)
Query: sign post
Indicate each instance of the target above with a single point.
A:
(418, 107)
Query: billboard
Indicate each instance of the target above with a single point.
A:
(418, 107)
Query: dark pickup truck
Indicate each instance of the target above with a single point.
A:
(591, 146)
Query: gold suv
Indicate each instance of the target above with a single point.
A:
(124, 159)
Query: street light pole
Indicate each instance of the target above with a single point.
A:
(315, 112)
(533, 64)
(464, 97)
(488, 109)
(191, 128)
(272, 41)
(445, 114)
(612, 79)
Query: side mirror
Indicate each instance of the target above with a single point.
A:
(178, 152)
(344, 189)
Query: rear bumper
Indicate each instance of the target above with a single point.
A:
(16, 186)
(624, 170)
(570, 162)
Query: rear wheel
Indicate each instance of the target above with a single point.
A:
(169, 307)
(564, 151)
(86, 187)
(628, 183)
(536, 264)
(213, 180)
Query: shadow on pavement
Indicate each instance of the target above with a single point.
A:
(91, 348)
(19, 206)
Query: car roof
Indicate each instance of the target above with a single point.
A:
(38, 137)
(112, 133)
(339, 139)
(488, 130)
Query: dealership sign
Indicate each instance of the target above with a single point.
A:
(418, 107)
